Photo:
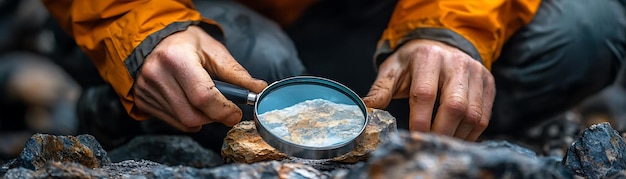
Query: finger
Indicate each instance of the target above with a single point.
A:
(382, 90)
(145, 93)
(423, 90)
(149, 95)
(454, 99)
(475, 108)
(200, 94)
(147, 105)
(221, 64)
(489, 94)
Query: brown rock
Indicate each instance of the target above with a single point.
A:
(43, 148)
(244, 145)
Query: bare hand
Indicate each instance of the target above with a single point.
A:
(419, 70)
(175, 83)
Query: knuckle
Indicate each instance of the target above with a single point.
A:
(474, 115)
(456, 105)
(148, 71)
(434, 49)
(423, 92)
(201, 96)
(482, 124)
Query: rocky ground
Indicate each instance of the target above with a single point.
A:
(597, 152)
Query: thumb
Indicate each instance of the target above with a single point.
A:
(382, 90)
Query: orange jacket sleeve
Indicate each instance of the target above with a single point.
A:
(118, 34)
(477, 27)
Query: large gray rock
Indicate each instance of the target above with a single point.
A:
(243, 144)
(599, 152)
(419, 155)
(168, 150)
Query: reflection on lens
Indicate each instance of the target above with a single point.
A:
(315, 123)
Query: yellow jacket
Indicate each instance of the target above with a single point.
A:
(118, 34)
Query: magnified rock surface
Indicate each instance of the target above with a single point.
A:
(315, 123)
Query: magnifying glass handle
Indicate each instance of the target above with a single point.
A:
(236, 94)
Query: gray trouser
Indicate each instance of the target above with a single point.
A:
(257, 43)
(570, 50)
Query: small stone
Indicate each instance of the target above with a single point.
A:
(43, 148)
(599, 152)
(168, 150)
(243, 144)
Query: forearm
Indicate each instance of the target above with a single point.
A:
(117, 36)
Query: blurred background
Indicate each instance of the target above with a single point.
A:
(43, 76)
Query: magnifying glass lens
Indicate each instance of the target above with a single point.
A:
(310, 115)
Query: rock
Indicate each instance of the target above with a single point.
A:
(149, 169)
(327, 165)
(419, 155)
(127, 168)
(272, 169)
(55, 169)
(42, 148)
(380, 127)
(19, 173)
(599, 152)
(244, 145)
(168, 150)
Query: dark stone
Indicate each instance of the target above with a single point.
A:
(599, 152)
(127, 168)
(419, 155)
(325, 165)
(68, 170)
(55, 169)
(168, 150)
(273, 169)
(42, 148)
(19, 173)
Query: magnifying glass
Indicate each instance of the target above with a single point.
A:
(304, 116)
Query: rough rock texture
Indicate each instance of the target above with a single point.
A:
(148, 169)
(599, 152)
(127, 168)
(419, 155)
(55, 169)
(301, 123)
(180, 150)
(272, 169)
(244, 145)
(43, 148)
